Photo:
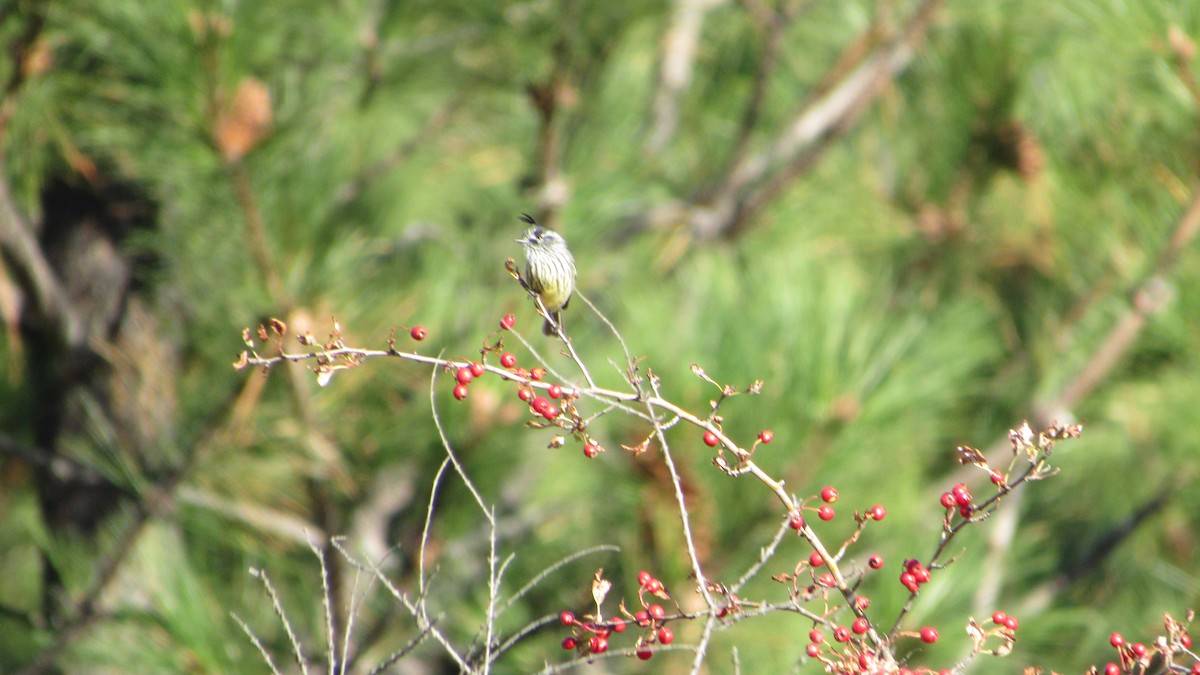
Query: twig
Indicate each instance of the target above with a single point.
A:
(421, 553)
(418, 612)
(764, 554)
(610, 654)
(297, 649)
(403, 651)
(257, 643)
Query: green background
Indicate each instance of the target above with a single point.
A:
(947, 265)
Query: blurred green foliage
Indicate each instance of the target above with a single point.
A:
(943, 270)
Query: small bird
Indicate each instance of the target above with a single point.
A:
(549, 269)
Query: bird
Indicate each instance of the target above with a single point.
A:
(549, 270)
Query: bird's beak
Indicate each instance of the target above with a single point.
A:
(520, 241)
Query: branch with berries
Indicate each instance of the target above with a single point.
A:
(824, 587)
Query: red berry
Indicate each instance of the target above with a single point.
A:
(567, 618)
(920, 574)
(477, 368)
(766, 436)
(877, 512)
(962, 496)
(948, 500)
(841, 634)
(666, 635)
(508, 321)
(825, 512)
(1138, 649)
(644, 578)
(1116, 640)
(460, 391)
(1185, 640)
(539, 405)
(865, 660)
(796, 522)
(813, 650)
(618, 626)
(859, 626)
(929, 635)
(644, 653)
(999, 617)
(568, 643)
(590, 450)
(464, 375)
(642, 618)
(815, 636)
(550, 412)
(1112, 669)
(1012, 623)
(508, 359)
(524, 394)
(537, 373)
(598, 645)
(418, 333)
(829, 494)
(654, 586)
(861, 603)
(710, 439)
(827, 580)
(910, 582)
(965, 510)
(657, 611)
(554, 391)
(815, 559)
(875, 562)
(997, 478)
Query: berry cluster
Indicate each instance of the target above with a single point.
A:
(849, 653)
(590, 634)
(463, 377)
(959, 497)
(914, 575)
(822, 582)
(1166, 650)
(550, 403)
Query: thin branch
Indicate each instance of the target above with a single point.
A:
(403, 651)
(326, 608)
(297, 648)
(257, 643)
(458, 467)
(764, 554)
(421, 553)
(493, 594)
(418, 611)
